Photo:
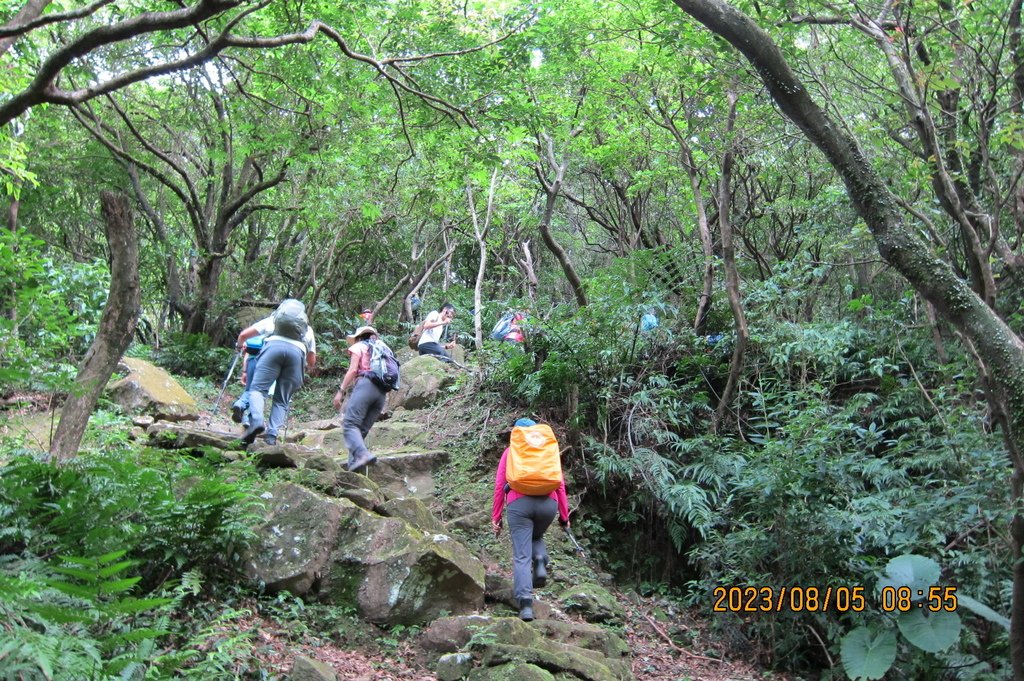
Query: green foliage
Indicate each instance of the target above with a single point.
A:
(193, 354)
(924, 614)
(75, 616)
(51, 310)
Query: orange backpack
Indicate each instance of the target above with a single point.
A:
(533, 466)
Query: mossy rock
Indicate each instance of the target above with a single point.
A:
(593, 603)
(150, 389)
(414, 512)
(513, 672)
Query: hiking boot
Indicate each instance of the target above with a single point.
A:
(540, 571)
(251, 433)
(237, 410)
(526, 609)
(364, 460)
(270, 439)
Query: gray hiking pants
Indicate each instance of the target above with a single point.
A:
(282, 362)
(528, 519)
(361, 411)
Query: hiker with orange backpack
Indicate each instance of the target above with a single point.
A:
(529, 487)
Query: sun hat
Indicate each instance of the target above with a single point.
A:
(362, 330)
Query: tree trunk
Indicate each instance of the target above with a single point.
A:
(552, 189)
(480, 232)
(526, 265)
(997, 345)
(116, 328)
(732, 276)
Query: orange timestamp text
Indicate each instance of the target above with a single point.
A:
(792, 598)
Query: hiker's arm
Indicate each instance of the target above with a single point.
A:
(247, 333)
(245, 363)
(310, 363)
(563, 505)
(499, 494)
(349, 380)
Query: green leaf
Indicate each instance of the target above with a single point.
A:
(911, 570)
(867, 654)
(932, 632)
(112, 570)
(982, 610)
(119, 585)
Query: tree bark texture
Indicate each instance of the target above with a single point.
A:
(116, 328)
(996, 344)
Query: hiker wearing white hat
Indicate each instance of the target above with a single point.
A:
(365, 398)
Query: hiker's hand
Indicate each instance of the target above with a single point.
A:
(312, 371)
(242, 378)
(564, 524)
(496, 527)
(450, 345)
(338, 400)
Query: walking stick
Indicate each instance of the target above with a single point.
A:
(579, 549)
(227, 379)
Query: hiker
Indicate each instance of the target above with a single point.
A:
(433, 329)
(367, 316)
(414, 305)
(528, 517)
(366, 401)
(240, 408)
(509, 327)
(288, 341)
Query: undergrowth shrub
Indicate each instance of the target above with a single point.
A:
(98, 555)
(193, 354)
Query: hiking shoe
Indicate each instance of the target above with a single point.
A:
(270, 439)
(526, 609)
(364, 460)
(252, 432)
(540, 571)
(237, 411)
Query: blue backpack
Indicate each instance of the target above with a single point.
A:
(503, 327)
(383, 365)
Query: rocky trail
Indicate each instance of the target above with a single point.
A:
(408, 547)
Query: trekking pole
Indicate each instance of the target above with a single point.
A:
(227, 379)
(579, 549)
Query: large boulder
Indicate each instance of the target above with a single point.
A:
(148, 388)
(390, 571)
(396, 574)
(295, 540)
(423, 381)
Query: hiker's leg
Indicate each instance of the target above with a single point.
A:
(266, 373)
(435, 349)
(358, 406)
(373, 411)
(288, 381)
(520, 528)
(544, 512)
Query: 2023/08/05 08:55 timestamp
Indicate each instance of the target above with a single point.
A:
(751, 599)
